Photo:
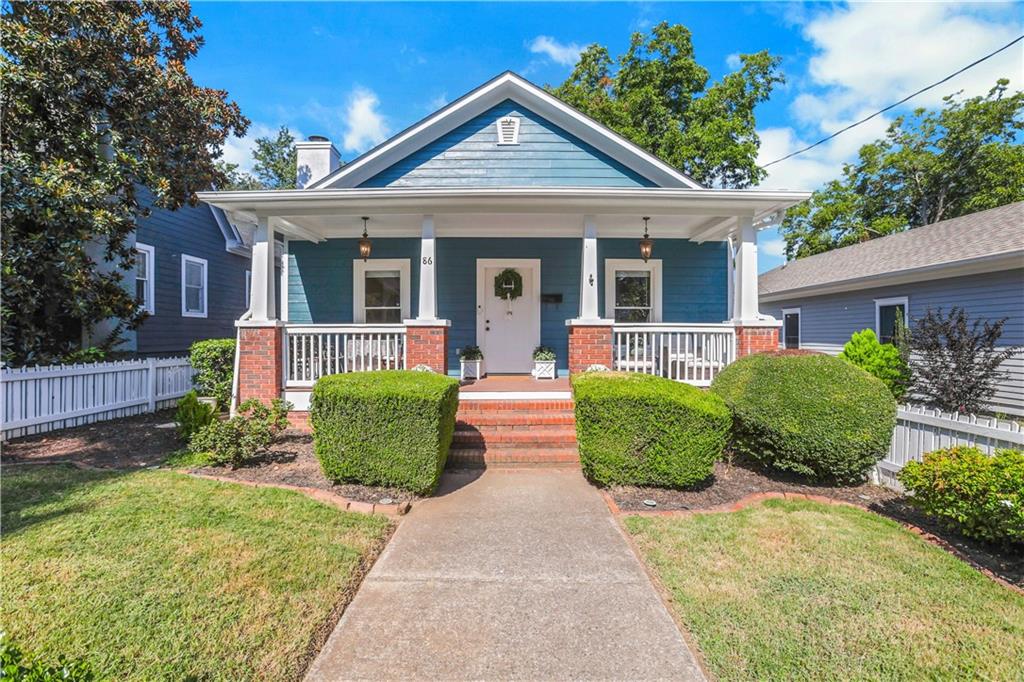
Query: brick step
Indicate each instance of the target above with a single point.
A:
(513, 419)
(513, 457)
(470, 405)
(500, 438)
(487, 429)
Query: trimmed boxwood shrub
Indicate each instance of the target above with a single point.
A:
(814, 415)
(636, 429)
(979, 495)
(214, 363)
(389, 428)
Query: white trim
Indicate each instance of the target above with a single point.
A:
(185, 259)
(506, 86)
(481, 293)
(248, 288)
(359, 269)
(653, 266)
(470, 396)
(283, 287)
(514, 138)
(799, 326)
(150, 302)
(892, 300)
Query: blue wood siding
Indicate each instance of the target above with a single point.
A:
(320, 276)
(695, 285)
(470, 156)
(194, 231)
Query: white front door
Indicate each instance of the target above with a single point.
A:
(508, 330)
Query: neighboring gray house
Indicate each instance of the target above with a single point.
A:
(975, 262)
(191, 274)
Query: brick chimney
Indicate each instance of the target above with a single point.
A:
(316, 158)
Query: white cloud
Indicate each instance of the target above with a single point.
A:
(437, 102)
(776, 248)
(562, 53)
(238, 150)
(733, 61)
(365, 126)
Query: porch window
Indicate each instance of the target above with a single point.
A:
(144, 277)
(633, 290)
(193, 286)
(886, 312)
(381, 290)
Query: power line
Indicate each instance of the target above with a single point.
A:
(891, 106)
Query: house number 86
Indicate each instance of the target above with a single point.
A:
(427, 260)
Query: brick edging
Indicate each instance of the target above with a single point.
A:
(318, 494)
(757, 498)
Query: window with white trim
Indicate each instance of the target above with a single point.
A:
(790, 327)
(633, 290)
(381, 291)
(144, 273)
(887, 310)
(193, 286)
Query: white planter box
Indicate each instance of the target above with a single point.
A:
(543, 369)
(471, 369)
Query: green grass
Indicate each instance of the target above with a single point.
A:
(800, 590)
(156, 575)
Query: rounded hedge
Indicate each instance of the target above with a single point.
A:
(814, 415)
(636, 429)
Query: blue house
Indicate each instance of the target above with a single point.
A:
(506, 220)
(974, 262)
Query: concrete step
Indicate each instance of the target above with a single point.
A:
(513, 457)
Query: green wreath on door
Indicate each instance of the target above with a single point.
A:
(508, 284)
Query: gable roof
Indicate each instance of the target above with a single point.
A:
(516, 88)
(978, 242)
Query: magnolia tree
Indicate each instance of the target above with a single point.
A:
(97, 103)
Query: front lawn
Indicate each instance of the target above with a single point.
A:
(801, 590)
(156, 575)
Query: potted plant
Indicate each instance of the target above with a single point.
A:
(471, 359)
(543, 362)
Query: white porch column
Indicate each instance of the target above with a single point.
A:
(428, 278)
(745, 289)
(263, 281)
(588, 281)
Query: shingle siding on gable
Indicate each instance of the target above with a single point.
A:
(194, 231)
(470, 156)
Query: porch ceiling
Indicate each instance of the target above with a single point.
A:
(701, 215)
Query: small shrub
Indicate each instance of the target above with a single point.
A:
(192, 415)
(544, 353)
(214, 363)
(635, 429)
(882, 360)
(814, 415)
(471, 353)
(389, 428)
(981, 496)
(14, 665)
(240, 439)
(85, 356)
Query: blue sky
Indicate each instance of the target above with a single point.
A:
(360, 72)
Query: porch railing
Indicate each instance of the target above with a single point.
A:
(313, 351)
(694, 354)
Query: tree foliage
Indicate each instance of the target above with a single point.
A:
(956, 362)
(881, 360)
(274, 162)
(658, 96)
(96, 102)
(930, 166)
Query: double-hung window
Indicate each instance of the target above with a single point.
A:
(887, 311)
(144, 273)
(381, 290)
(633, 290)
(193, 286)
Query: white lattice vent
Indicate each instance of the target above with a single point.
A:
(508, 130)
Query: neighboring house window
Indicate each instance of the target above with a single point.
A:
(144, 271)
(632, 290)
(886, 312)
(381, 290)
(248, 289)
(790, 327)
(193, 286)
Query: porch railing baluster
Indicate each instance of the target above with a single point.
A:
(694, 354)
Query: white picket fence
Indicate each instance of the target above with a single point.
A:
(39, 399)
(923, 429)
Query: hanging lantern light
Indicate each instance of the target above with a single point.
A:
(365, 244)
(646, 244)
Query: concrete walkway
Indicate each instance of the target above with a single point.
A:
(507, 574)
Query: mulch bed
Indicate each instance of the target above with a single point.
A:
(732, 482)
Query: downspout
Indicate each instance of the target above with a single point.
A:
(233, 409)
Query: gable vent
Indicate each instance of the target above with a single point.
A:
(508, 130)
